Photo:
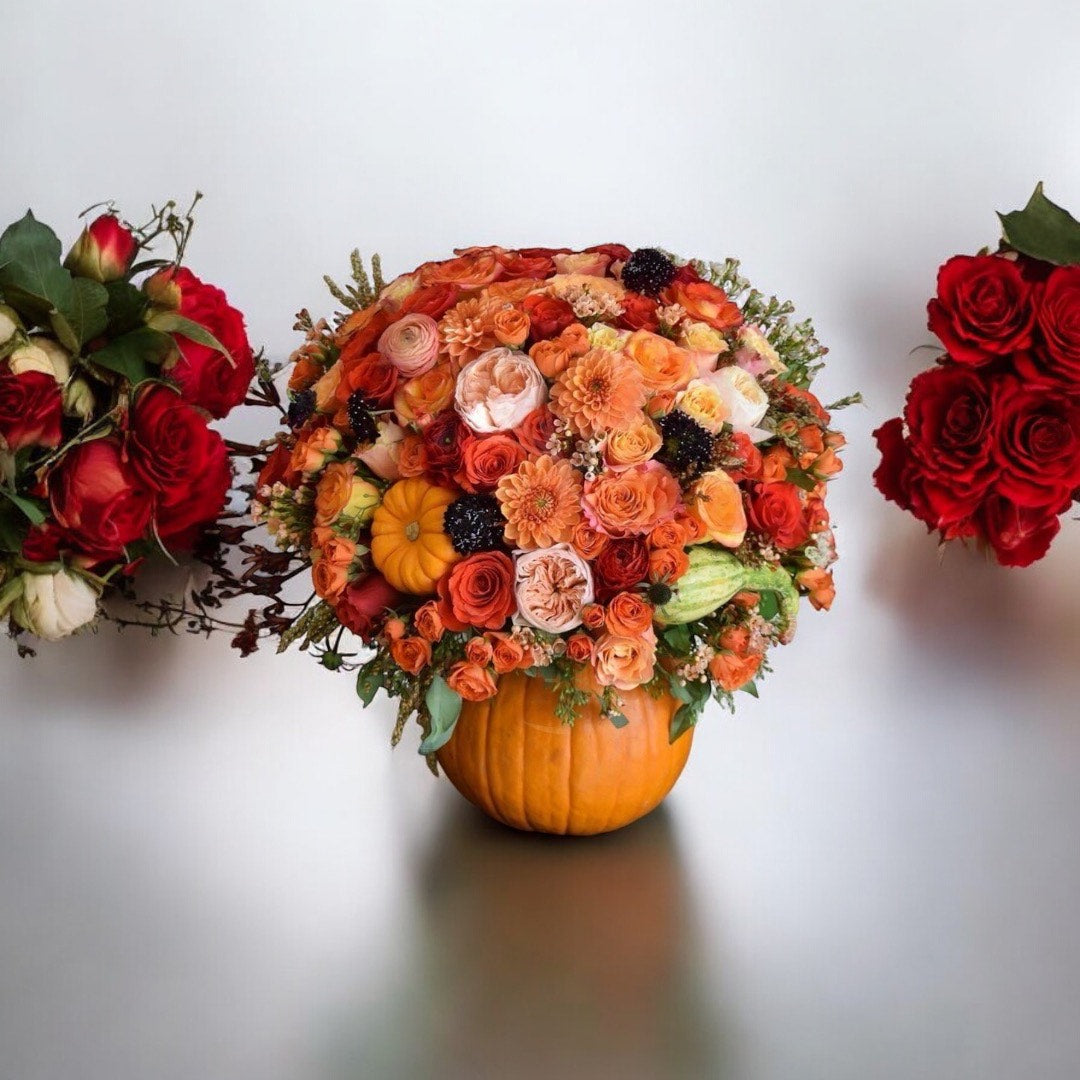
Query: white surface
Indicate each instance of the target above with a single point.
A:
(217, 868)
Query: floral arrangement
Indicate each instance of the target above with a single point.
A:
(988, 448)
(602, 467)
(110, 371)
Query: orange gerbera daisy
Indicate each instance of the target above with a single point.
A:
(467, 330)
(600, 391)
(541, 502)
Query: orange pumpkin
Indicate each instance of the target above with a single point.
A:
(511, 757)
(408, 545)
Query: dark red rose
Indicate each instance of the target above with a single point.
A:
(365, 603)
(548, 316)
(444, 445)
(185, 464)
(1037, 449)
(622, 564)
(43, 543)
(1059, 321)
(686, 274)
(983, 309)
(31, 409)
(206, 377)
(104, 251)
(1018, 535)
(616, 252)
(435, 301)
(98, 500)
(776, 511)
(375, 377)
(523, 264)
(278, 467)
(639, 313)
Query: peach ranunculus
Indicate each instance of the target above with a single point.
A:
(703, 403)
(631, 502)
(632, 445)
(497, 390)
(662, 363)
(419, 399)
(470, 270)
(551, 586)
(411, 654)
(705, 303)
(381, 457)
(716, 501)
(628, 615)
(624, 662)
(341, 493)
(511, 326)
(428, 623)
(593, 263)
(314, 450)
(471, 681)
(411, 344)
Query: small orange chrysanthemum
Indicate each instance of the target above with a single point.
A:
(541, 502)
(600, 391)
(467, 330)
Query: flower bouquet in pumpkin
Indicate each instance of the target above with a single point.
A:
(110, 371)
(988, 447)
(567, 497)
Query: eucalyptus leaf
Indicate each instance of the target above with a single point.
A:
(1043, 230)
(444, 706)
(171, 323)
(135, 355)
(368, 684)
(84, 318)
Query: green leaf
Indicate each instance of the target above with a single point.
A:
(617, 719)
(678, 639)
(135, 354)
(125, 307)
(84, 318)
(801, 479)
(13, 528)
(171, 323)
(368, 684)
(444, 705)
(1043, 230)
(684, 719)
(768, 605)
(32, 509)
(31, 277)
(750, 688)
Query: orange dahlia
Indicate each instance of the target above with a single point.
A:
(600, 391)
(467, 330)
(541, 502)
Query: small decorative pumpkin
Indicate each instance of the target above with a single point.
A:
(408, 544)
(513, 759)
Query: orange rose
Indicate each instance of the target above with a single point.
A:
(717, 503)
(694, 526)
(514, 290)
(305, 373)
(511, 326)
(668, 534)
(427, 622)
(394, 629)
(812, 443)
(624, 662)
(660, 404)
(749, 459)
(587, 541)
(326, 388)
(471, 681)
(332, 494)
(411, 654)
(486, 461)
(536, 430)
(478, 591)
(550, 357)
(579, 647)
(633, 445)
(419, 399)
(668, 564)
(732, 672)
(593, 616)
(472, 270)
(628, 615)
(314, 450)
(819, 586)
(575, 339)
(478, 650)
(631, 502)
(828, 464)
(704, 303)
(507, 653)
(329, 577)
(663, 365)
(413, 458)
(359, 321)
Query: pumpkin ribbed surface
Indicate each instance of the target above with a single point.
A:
(511, 757)
(408, 545)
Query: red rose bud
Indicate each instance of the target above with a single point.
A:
(104, 251)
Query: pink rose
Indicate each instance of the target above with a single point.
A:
(497, 390)
(411, 344)
(551, 586)
(594, 263)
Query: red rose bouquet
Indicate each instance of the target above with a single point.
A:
(988, 447)
(603, 468)
(110, 372)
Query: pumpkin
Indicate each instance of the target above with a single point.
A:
(408, 545)
(511, 757)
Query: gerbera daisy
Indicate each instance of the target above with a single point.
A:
(541, 502)
(467, 330)
(599, 392)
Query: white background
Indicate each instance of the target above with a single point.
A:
(213, 867)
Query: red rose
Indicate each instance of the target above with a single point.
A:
(536, 430)
(776, 510)
(206, 378)
(523, 264)
(687, 275)
(42, 543)
(1059, 321)
(364, 604)
(548, 316)
(104, 251)
(278, 467)
(31, 409)
(1037, 449)
(97, 499)
(435, 301)
(983, 309)
(1018, 535)
(444, 445)
(486, 461)
(375, 378)
(478, 591)
(639, 313)
(181, 460)
(622, 564)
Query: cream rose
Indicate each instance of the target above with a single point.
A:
(9, 323)
(44, 355)
(756, 354)
(551, 586)
(624, 662)
(411, 344)
(745, 401)
(52, 606)
(395, 294)
(593, 263)
(382, 456)
(497, 390)
(703, 402)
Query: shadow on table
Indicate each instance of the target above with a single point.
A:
(541, 956)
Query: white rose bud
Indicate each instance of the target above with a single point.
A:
(78, 399)
(9, 324)
(44, 355)
(53, 606)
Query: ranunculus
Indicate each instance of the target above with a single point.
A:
(632, 501)
(207, 378)
(471, 681)
(776, 511)
(745, 400)
(31, 409)
(444, 443)
(478, 591)
(1018, 535)
(624, 662)
(486, 461)
(418, 400)
(411, 654)
(411, 344)
(548, 315)
(983, 309)
(704, 303)
(628, 614)
(98, 499)
(104, 251)
(177, 456)
(1059, 321)
(662, 363)
(551, 586)
(52, 606)
(716, 501)
(622, 564)
(363, 605)
(44, 355)
(497, 390)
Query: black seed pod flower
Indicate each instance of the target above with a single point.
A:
(687, 447)
(360, 419)
(648, 271)
(474, 523)
(301, 407)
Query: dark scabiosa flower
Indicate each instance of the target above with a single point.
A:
(300, 408)
(687, 448)
(648, 272)
(360, 419)
(474, 523)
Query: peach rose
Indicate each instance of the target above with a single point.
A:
(593, 616)
(550, 357)
(497, 390)
(668, 564)
(511, 326)
(631, 502)
(471, 681)
(470, 270)
(624, 662)
(632, 445)
(663, 365)
(383, 454)
(732, 672)
(775, 463)
(587, 541)
(411, 344)
(551, 585)
(314, 450)
(411, 654)
(512, 291)
(394, 294)
(478, 650)
(419, 399)
(705, 303)
(342, 494)
(717, 502)
(703, 403)
(592, 263)
(326, 388)
(507, 653)
(428, 622)
(579, 647)
(628, 614)
(819, 586)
